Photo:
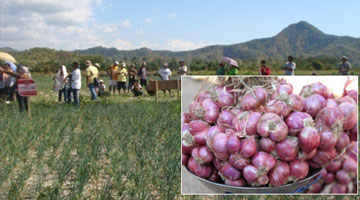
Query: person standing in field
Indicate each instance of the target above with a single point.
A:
(22, 72)
(290, 66)
(142, 74)
(132, 76)
(344, 66)
(264, 69)
(182, 69)
(122, 73)
(92, 77)
(221, 69)
(60, 82)
(164, 74)
(113, 76)
(75, 78)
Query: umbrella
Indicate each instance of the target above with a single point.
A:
(7, 57)
(230, 61)
(12, 65)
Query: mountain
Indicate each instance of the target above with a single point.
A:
(8, 49)
(300, 39)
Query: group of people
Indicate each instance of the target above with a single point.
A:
(9, 76)
(121, 78)
(289, 67)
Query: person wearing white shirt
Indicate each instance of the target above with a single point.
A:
(182, 69)
(290, 66)
(75, 78)
(165, 72)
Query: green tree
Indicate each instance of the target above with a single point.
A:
(318, 65)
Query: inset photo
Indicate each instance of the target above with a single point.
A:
(269, 135)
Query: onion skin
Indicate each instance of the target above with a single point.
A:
(347, 99)
(343, 177)
(203, 95)
(250, 173)
(279, 174)
(222, 156)
(246, 122)
(322, 158)
(236, 111)
(211, 132)
(230, 172)
(353, 133)
(309, 139)
(296, 102)
(329, 178)
(338, 188)
(331, 103)
(185, 117)
(239, 162)
(315, 188)
(328, 140)
(205, 155)
(215, 177)
(207, 110)
(225, 118)
(278, 107)
(315, 88)
(187, 140)
(296, 122)
(184, 159)
(350, 115)
(219, 143)
(350, 165)
(249, 102)
(248, 147)
(299, 169)
(334, 166)
(239, 183)
(313, 104)
(352, 93)
(263, 161)
(328, 117)
(282, 92)
(233, 144)
(303, 155)
(267, 145)
(343, 141)
(287, 150)
(203, 171)
(223, 97)
(270, 124)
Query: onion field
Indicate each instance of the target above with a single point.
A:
(102, 150)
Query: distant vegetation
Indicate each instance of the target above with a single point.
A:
(312, 49)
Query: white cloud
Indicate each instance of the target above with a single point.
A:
(60, 24)
(149, 45)
(181, 45)
(148, 20)
(126, 23)
(121, 44)
(172, 15)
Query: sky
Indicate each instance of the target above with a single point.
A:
(164, 25)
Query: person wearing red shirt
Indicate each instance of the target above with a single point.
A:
(265, 70)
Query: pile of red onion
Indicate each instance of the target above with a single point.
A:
(262, 138)
(340, 176)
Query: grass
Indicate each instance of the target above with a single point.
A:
(121, 148)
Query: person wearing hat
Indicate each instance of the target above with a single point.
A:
(290, 66)
(344, 66)
(122, 73)
(221, 69)
(75, 78)
(142, 74)
(102, 87)
(182, 69)
(164, 72)
(264, 69)
(132, 76)
(111, 71)
(22, 72)
(92, 76)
